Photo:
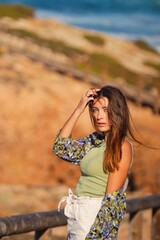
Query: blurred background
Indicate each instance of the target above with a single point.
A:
(51, 52)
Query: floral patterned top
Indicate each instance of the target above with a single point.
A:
(113, 207)
(72, 150)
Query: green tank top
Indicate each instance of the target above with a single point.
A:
(93, 181)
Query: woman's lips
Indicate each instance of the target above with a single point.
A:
(101, 124)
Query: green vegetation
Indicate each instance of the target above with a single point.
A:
(95, 39)
(54, 45)
(101, 64)
(16, 11)
(104, 65)
(22, 33)
(154, 82)
(156, 66)
(145, 46)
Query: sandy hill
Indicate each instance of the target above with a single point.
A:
(35, 102)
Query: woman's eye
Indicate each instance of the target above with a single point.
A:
(106, 110)
(94, 110)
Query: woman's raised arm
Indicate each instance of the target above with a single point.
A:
(67, 128)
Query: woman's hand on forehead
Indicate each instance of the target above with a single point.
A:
(92, 92)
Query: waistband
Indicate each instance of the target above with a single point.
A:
(71, 198)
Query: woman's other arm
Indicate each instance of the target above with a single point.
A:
(117, 178)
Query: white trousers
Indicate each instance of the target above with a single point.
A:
(81, 213)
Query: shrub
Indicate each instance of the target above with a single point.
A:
(106, 66)
(156, 66)
(145, 46)
(54, 45)
(16, 11)
(95, 39)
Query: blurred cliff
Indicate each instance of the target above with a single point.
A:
(39, 90)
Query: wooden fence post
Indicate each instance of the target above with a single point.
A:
(156, 224)
(135, 226)
(156, 102)
(38, 234)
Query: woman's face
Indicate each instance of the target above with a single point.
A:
(100, 114)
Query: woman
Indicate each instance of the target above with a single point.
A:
(98, 204)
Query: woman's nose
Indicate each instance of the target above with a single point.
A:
(99, 115)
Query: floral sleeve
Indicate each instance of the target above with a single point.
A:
(74, 150)
(108, 219)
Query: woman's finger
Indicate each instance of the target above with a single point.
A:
(92, 91)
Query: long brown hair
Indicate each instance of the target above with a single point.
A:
(120, 125)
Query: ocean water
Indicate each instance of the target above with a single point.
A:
(130, 19)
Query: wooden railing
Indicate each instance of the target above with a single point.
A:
(41, 221)
(38, 222)
(135, 208)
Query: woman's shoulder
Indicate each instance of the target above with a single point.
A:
(94, 138)
(128, 143)
(97, 135)
(127, 150)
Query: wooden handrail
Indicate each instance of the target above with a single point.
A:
(18, 224)
(41, 221)
(139, 204)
